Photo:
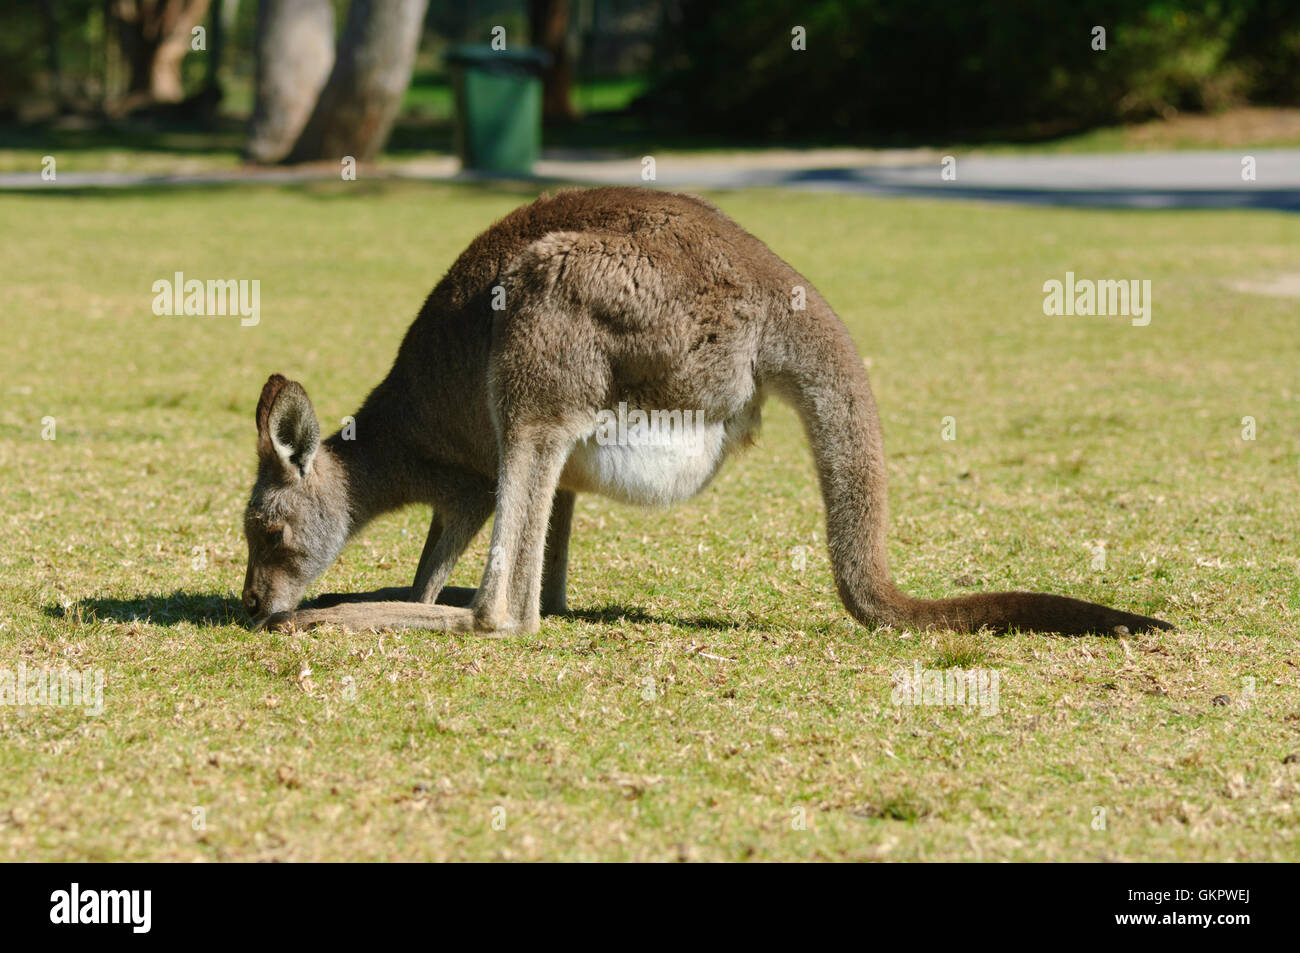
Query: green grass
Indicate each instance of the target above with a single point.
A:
(1252, 127)
(430, 94)
(707, 698)
(425, 127)
(147, 149)
(606, 127)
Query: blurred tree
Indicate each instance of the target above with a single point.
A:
(356, 109)
(224, 14)
(879, 68)
(155, 36)
(548, 23)
(1267, 44)
(295, 51)
(50, 20)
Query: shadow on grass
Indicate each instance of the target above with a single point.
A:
(224, 610)
(163, 188)
(462, 596)
(177, 137)
(611, 614)
(201, 608)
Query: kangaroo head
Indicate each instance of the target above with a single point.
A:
(297, 517)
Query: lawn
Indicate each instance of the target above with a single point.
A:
(608, 128)
(424, 129)
(707, 697)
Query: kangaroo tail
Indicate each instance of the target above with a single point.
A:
(819, 371)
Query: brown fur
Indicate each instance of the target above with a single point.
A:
(270, 390)
(612, 295)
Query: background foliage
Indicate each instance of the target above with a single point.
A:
(923, 65)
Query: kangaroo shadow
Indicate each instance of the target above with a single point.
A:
(213, 609)
(613, 613)
(462, 596)
(202, 608)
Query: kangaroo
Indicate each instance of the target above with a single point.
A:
(569, 307)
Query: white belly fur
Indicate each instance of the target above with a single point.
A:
(656, 475)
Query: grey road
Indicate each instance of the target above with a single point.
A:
(1127, 180)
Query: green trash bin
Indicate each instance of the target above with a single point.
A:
(498, 107)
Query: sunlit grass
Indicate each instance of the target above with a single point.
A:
(706, 692)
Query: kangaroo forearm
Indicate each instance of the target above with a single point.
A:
(377, 616)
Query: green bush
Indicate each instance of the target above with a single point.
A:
(875, 67)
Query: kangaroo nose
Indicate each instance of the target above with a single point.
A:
(251, 602)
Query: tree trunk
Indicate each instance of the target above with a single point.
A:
(220, 24)
(295, 51)
(50, 17)
(155, 36)
(165, 70)
(548, 21)
(356, 110)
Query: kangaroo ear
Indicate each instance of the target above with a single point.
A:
(287, 429)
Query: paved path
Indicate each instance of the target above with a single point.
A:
(1126, 180)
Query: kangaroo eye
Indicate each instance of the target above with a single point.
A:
(275, 536)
